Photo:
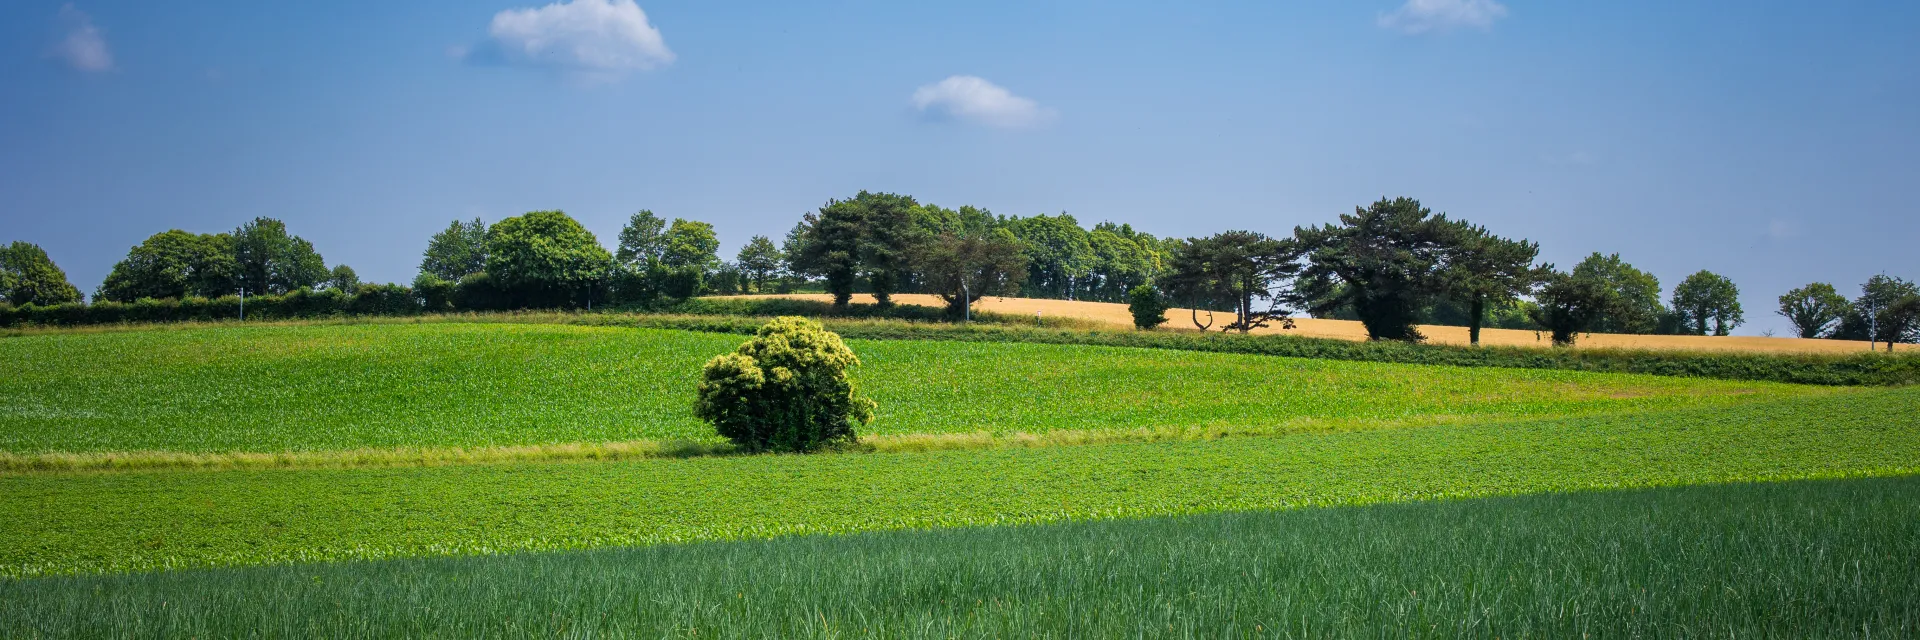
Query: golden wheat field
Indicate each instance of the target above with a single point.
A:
(1182, 319)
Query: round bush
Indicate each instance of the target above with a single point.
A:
(785, 390)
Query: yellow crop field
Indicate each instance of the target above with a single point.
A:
(1181, 319)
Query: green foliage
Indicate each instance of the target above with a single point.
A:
(678, 283)
(785, 390)
(690, 243)
(1727, 560)
(1634, 296)
(173, 264)
(544, 258)
(29, 277)
(457, 251)
(1385, 261)
(267, 260)
(827, 245)
(760, 261)
(1122, 260)
(1708, 296)
(1059, 255)
(964, 263)
(1240, 266)
(1486, 268)
(434, 294)
(1888, 310)
(342, 278)
(1570, 304)
(1814, 310)
(643, 240)
(112, 522)
(1148, 307)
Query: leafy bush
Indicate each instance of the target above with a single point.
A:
(784, 390)
(1149, 309)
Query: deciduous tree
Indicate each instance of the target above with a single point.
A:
(1636, 307)
(172, 264)
(28, 276)
(545, 258)
(1708, 296)
(642, 240)
(1814, 310)
(760, 260)
(269, 260)
(786, 389)
(1570, 304)
(456, 251)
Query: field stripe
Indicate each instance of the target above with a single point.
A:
(133, 521)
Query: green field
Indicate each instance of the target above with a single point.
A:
(63, 523)
(1790, 560)
(332, 387)
(1170, 493)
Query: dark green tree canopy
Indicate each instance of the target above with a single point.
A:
(268, 260)
(1386, 261)
(1814, 310)
(689, 243)
(1241, 267)
(456, 251)
(1120, 262)
(1636, 300)
(963, 264)
(28, 276)
(871, 235)
(1486, 268)
(1147, 306)
(1708, 297)
(1886, 311)
(545, 257)
(642, 240)
(173, 264)
(1570, 304)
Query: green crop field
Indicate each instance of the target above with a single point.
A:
(1800, 559)
(64, 523)
(330, 387)
(1167, 492)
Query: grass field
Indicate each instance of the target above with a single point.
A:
(1788, 560)
(104, 522)
(487, 478)
(342, 387)
(1115, 314)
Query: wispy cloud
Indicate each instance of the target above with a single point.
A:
(81, 46)
(973, 99)
(1421, 16)
(602, 38)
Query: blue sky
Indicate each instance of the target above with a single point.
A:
(1772, 142)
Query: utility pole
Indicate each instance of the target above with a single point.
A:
(966, 301)
(243, 304)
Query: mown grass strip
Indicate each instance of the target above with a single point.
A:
(1800, 559)
(135, 521)
(533, 388)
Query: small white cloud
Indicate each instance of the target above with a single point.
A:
(1421, 16)
(973, 99)
(81, 45)
(591, 36)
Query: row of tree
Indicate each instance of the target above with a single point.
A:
(1391, 265)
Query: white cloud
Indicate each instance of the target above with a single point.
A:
(1420, 16)
(80, 45)
(973, 99)
(592, 36)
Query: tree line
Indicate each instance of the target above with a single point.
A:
(1392, 265)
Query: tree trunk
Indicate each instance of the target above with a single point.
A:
(1475, 312)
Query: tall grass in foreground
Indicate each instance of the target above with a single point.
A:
(1796, 560)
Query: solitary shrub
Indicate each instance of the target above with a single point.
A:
(786, 389)
(1149, 308)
